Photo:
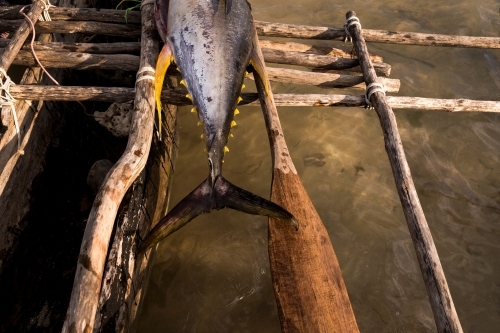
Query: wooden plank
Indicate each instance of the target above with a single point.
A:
(445, 315)
(307, 280)
(92, 48)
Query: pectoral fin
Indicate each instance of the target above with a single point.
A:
(165, 58)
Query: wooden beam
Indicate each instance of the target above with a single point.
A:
(307, 279)
(177, 97)
(376, 36)
(439, 294)
(82, 308)
(92, 48)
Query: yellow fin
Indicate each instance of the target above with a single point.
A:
(231, 135)
(205, 150)
(243, 86)
(189, 96)
(233, 123)
(246, 73)
(226, 150)
(193, 110)
(236, 111)
(165, 58)
(183, 82)
(202, 136)
(199, 123)
(239, 100)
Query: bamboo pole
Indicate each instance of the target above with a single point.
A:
(439, 294)
(91, 260)
(177, 97)
(93, 48)
(313, 49)
(376, 36)
(307, 279)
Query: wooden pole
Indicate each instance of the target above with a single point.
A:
(307, 280)
(93, 48)
(376, 36)
(177, 97)
(313, 49)
(19, 37)
(439, 294)
(94, 249)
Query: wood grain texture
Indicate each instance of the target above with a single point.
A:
(178, 97)
(82, 308)
(439, 294)
(376, 36)
(93, 48)
(307, 280)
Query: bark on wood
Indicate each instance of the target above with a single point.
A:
(22, 32)
(439, 294)
(313, 49)
(127, 62)
(93, 48)
(125, 278)
(77, 14)
(324, 80)
(319, 61)
(376, 36)
(307, 280)
(68, 27)
(89, 272)
(177, 97)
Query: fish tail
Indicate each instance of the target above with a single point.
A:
(205, 198)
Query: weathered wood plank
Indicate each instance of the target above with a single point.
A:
(177, 97)
(92, 48)
(376, 36)
(307, 279)
(445, 315)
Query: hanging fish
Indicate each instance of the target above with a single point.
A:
(211, 42)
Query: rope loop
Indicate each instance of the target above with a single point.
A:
(377, 87)
(350, 21)
(145, 77)
(6, 100)
(45, 14)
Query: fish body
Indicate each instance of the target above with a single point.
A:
(212, 43)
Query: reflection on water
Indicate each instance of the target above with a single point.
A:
(213, 275)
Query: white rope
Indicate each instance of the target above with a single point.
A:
(350, 21)
(145, 77)
(378, 87)
(145, 69)
(147, 2)
(45, 14)
(7, 100)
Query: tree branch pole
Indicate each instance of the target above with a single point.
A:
(376, 36)
(307, 279)
(91, 260)
(177, 97)
(93, 48)
(439, 294)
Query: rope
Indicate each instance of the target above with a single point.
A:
(6, 99)
(350, 21)
(145, 77)
(45, 14)
(147, 2)
(378, 87)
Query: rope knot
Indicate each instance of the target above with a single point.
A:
(350, 21)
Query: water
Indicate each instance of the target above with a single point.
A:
(213, 275)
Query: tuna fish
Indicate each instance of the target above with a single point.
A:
(212, 43)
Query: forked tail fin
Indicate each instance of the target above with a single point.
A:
(204, 198)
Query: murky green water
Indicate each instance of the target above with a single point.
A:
(213, 275)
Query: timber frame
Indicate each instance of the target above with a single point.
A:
(96, 278)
